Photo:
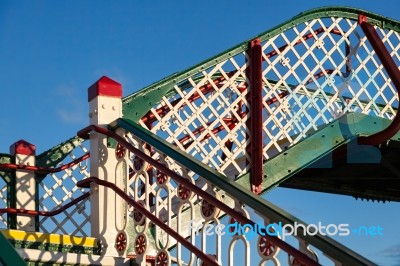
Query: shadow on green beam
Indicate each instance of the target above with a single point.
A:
(8, 255)
(319, 144)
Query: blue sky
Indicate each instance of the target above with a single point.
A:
(52, 51)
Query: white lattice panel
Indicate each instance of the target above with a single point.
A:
(313, 73)
(213, 100)
(144, 176)
(186, 213)
(334, 72)
(3, 202)
(60, 188)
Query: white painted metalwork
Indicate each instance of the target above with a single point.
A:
(191, 216)
(313, 73)
(60, 188)
(3, 202)
(322, 81)
(308, 82)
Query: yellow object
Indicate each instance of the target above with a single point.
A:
(55, 239)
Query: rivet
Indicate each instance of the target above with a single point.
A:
(103, 106)
(95, 111)
(90, 114)
(114, 108)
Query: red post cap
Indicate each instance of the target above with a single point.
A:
(22, 147)
(105, 87)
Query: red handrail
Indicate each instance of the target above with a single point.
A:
(46, 170)
(86, 182)
(46, 213)
(85, 133)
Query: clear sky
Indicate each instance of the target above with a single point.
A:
(52, 51)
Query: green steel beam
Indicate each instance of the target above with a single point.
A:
(9, 178)
(55, 155)
(58, 153)
(134, 105)
(315, 146)
(257, 203)
(6, 159)
(8, 255)
(140, 102)
(299, 156)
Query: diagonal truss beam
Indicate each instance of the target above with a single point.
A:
(327, 245)
(317, 145)
(190, 163)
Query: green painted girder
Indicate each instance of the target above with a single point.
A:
(8, 255)
(9, 178)
(6, 159)
(327, 245)
(139, 103)
(55, 155)
(319, 144)
(136, 105)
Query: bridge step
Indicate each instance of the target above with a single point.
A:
(43, 257)
(52, 242)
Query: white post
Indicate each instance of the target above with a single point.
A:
(25, 183)
(105, 106)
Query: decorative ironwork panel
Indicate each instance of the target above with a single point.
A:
(3, 202)
(195, 218)
(205, 115)
(57, 189)
(313, 73)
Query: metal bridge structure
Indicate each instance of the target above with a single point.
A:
(310, 104)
